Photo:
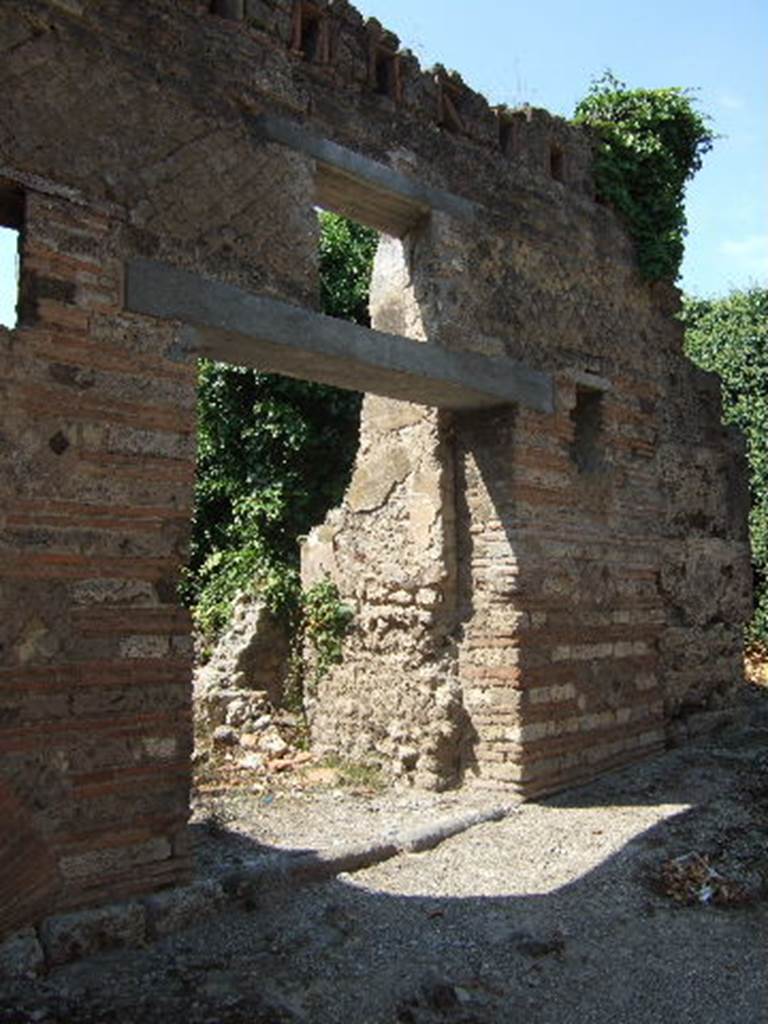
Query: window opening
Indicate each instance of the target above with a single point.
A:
(557, 163)
(448, 102)
(11, 227)
(345, 258)
(310, 38)
(505, 133)
(587, 416)
(233, 9)
(386, 73)
(310, 33)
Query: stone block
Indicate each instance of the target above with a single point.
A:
(67, 937)
(21, 954)
(371, 486)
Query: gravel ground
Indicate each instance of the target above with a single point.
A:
(559, 913)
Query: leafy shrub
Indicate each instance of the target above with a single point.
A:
(273, 456)
(325, 623)
(649, 143)
(346, 261)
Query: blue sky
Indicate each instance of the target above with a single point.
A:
(547, 53)
(8, 273)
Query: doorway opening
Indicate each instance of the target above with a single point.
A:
(274, 456)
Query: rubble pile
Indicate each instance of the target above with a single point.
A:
(241, 723)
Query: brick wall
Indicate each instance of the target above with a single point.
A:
(559, 658)
(97, 468)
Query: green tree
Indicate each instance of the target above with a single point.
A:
(274, 454)
(648, 144)
(346, 261)
(730, 337)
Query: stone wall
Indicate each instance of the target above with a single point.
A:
(538, 596)
(392, 550)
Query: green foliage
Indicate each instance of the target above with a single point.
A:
(346, 260)
(730, 337)
(325, 623)
(318, 622)
(649, 143)
(231, 571)
(274, 454)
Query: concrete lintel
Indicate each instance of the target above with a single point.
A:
(227, 323)
(359, 187)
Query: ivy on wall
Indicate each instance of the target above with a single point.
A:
(648, 144)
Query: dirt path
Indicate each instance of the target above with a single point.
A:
(559, 913)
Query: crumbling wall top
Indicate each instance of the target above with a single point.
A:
(321, 60)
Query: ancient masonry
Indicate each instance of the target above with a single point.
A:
(545, 537)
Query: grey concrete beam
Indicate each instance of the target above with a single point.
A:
(226, 323)
(361, 188)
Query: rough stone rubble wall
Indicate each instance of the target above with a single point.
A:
(392, 549)
(518, 618)
(705, 577)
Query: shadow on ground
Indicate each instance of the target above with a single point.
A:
(551, 916)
